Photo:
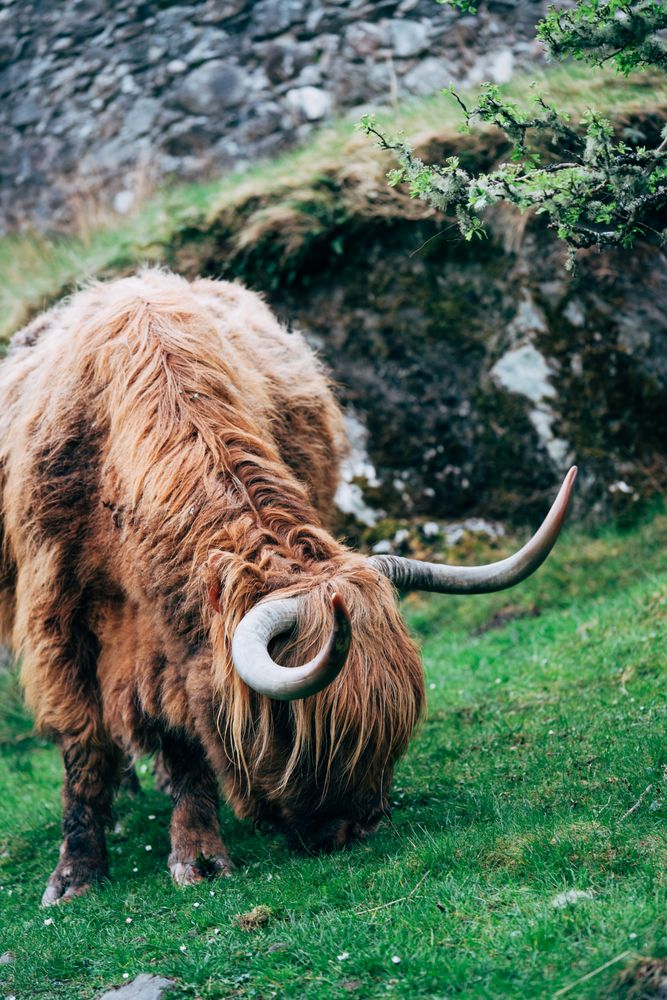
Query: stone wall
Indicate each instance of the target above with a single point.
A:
(101, 98)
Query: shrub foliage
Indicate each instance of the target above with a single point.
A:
(598, 188)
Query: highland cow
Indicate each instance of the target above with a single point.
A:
(168, 460)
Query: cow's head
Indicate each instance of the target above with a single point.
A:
(317, 734)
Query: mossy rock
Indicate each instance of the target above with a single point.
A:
(480, 371)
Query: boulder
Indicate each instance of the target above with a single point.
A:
(144, 987)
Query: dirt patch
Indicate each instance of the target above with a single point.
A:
(258, 917)
(511, 613)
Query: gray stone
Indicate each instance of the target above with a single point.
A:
(266, 117)
(428, 77)
(212, 45)
(212, 86)
(528, 319)
(27, 112)
(115, 152)
(14, 78)
(174, 20)
(497, 66)
(144, 987)
(319, 20)
(189, 136)
(311, 102)
(128, 85)
(283, 61)
(365, 38)
(140, 119)
(270, 18)
(127, 31)
(408, 38)
(218, 11)
(524, 370)
(310, 76)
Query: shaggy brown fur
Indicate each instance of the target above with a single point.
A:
(158, 439)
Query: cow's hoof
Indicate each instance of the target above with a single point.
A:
(70, 880)
(190, 872)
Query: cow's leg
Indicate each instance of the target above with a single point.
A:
(54, 629)
(91, 774)
(197, 849)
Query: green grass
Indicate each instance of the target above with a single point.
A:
(35, 270)
(540, 737)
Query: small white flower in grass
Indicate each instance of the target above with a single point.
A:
(633, 936)
(564, 899)
(126, 975)
(211, 893)
(135, 869)
(196, 905)
(143, 768)
(182, 947)
(151, 816)
(217, 930)
(343, 957)
(48, 921)
(148, 847)
(128, 920)
(395, 959)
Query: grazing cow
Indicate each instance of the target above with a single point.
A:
(168, 460)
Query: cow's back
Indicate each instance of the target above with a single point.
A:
(57, 412)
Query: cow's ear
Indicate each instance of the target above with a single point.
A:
(214, 595)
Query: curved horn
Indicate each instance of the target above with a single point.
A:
(411, 574)
(254, 665)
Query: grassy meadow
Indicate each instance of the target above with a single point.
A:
(527, 855)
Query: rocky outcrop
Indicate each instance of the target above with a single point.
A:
(100, 100)
(473, 374)
(480, 377)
